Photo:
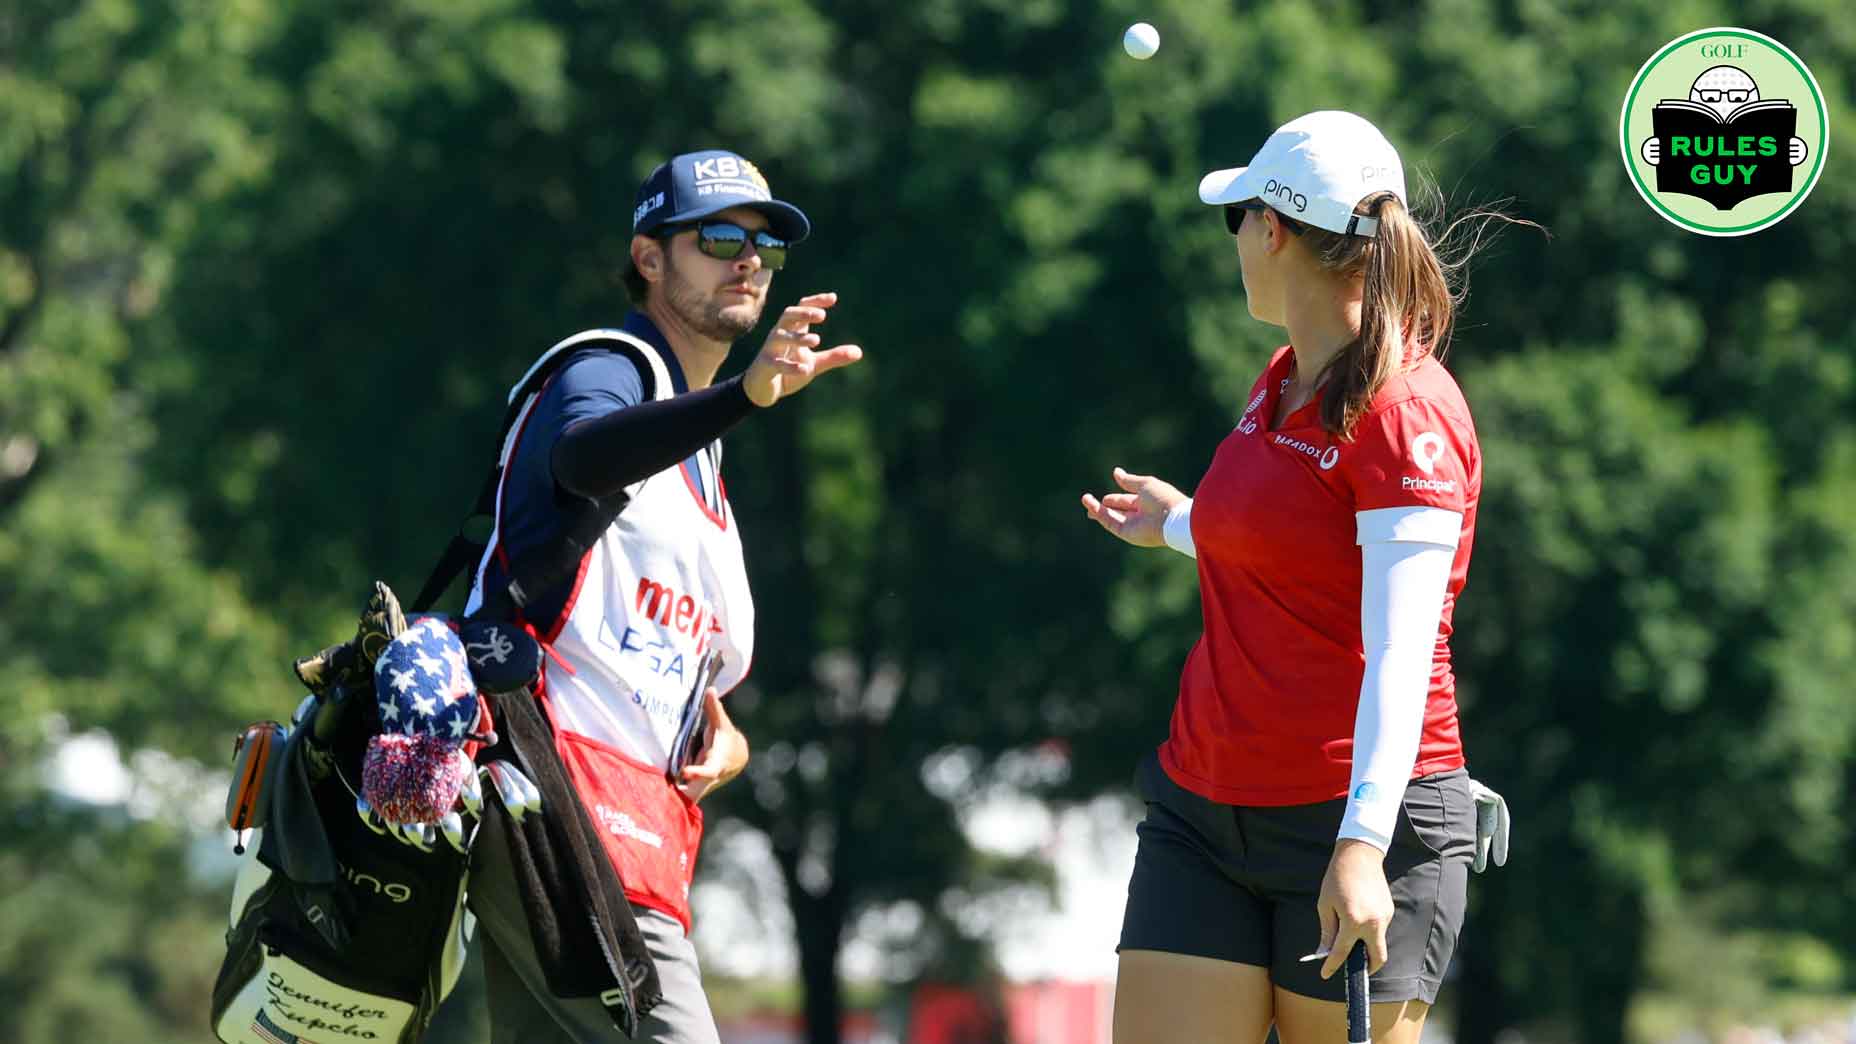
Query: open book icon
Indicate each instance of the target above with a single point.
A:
(1724, 159)
(1710, 113)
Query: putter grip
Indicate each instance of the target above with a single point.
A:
(1359, 997)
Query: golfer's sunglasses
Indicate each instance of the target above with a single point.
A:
(725, 240)
(1234, 216)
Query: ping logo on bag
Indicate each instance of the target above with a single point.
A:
(393, 890)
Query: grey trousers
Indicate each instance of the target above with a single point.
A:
(522, 1011)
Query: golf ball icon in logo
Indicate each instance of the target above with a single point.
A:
(1724, 131)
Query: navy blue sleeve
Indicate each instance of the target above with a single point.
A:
(592, 384)
(599, 456)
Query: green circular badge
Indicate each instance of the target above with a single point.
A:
(1724, 131)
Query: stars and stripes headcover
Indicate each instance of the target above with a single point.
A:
(415, 768)
(424, 684)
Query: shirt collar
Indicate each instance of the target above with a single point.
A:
(639, 325)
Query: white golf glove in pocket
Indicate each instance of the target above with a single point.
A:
(1491, 827)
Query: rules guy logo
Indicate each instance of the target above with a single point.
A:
(1724, 131)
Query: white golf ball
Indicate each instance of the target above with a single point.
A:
(1141, 41)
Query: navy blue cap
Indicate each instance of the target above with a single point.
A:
(697, 184)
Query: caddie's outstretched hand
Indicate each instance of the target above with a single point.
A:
(1138, 513)
(790, 358)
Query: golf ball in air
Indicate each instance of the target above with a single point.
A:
(1141, 41)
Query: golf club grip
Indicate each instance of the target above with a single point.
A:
(1359, 997)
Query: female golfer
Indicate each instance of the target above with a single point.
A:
(1312, 789)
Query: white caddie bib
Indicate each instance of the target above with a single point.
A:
(663, 591)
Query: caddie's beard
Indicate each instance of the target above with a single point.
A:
(708, 316)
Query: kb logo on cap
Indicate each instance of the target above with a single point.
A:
(709, 174)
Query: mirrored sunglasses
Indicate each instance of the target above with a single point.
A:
(725, 241)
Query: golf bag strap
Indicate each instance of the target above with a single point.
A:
(538, 569)
(463, 549)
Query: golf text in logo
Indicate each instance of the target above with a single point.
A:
(646, 207)
(1282, 193)
(620, 824)
(1724, 131)
(1325, 458)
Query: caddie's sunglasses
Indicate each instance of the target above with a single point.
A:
(1234, 216)
(725, 240)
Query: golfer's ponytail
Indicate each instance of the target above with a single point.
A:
(1409, 296)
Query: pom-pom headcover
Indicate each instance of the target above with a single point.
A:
(428, 703)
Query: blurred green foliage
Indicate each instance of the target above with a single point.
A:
(252, 253)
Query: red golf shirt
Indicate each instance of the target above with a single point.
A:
(1268, 695)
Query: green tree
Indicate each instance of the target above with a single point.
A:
(118, 124)
(265, 272)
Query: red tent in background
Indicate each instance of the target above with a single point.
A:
(1057, 1012)
(944, 1014)
(1029, 1013)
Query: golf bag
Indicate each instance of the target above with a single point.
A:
(340, 931)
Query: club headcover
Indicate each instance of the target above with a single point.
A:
(415, 768)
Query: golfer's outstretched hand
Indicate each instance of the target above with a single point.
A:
(790, 358)
(1138, 513)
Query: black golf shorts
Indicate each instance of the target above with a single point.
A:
(1239, 884)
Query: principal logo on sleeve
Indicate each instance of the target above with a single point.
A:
(1425, 450)
(1724, 131)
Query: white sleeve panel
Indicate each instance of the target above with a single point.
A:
(1177, 529)
(1416, 523)
(1402, 589)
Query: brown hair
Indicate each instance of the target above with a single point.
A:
(637, 287)
(1412, 289)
